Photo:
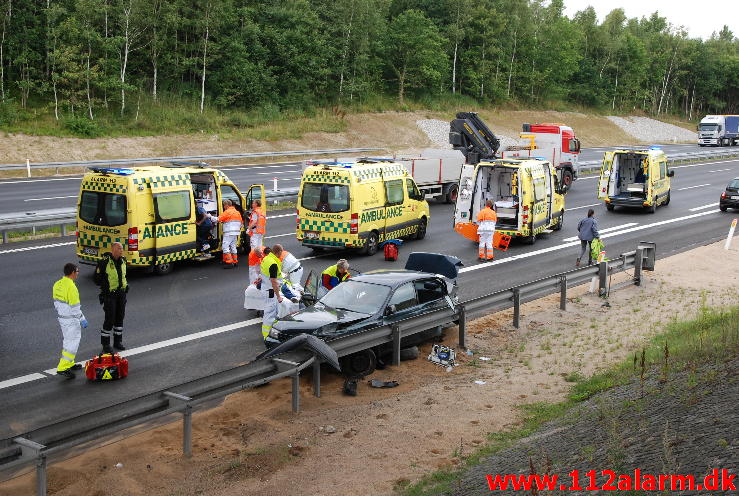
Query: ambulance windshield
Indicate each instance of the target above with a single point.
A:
(322, 197)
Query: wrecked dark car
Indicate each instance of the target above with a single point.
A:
(373, 299)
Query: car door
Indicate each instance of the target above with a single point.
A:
(402, 304)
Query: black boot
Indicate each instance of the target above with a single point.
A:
(105, 341)
(118, 342)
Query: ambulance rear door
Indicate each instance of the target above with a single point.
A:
(464, 200)
(605, 175)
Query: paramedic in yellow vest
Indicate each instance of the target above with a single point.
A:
(232, 223)
(486, 230)
(257, 225)
(110, 275)
(271, 270)
(71, 319)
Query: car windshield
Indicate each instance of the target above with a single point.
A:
(356, 296)
(708, 127)
(733, 184)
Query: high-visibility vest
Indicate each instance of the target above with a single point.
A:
(267, 262)
(289, 262)
(231, 219)
(261, 221)
(486, 219)
(66, 299)
(112, 275)
(333, 273)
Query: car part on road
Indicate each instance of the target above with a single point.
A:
(306, 342)
(443, 356)
(376, 383)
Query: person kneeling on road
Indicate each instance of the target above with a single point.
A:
(71, 319)
(271, 269)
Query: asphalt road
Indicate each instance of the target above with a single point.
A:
(203, 297)
(24, 195)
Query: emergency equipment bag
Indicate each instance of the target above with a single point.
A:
(391, 252)
(106, 367)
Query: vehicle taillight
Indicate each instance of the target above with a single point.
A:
(133, 239)
(354, 224)
(76, 231)
(525, 214)
(297, 219)
(723, 195)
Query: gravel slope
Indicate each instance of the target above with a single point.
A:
(653, 131)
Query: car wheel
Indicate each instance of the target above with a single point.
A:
(317, 249)
(163, 269)
(421, 232)
(409, 353)
(667, 201)
(567, 180)
(701, 146)
(723, 208)
(529, 240)
(560, 222)
(610, 207)
(359, 364)
(451, 196)
(370, 246)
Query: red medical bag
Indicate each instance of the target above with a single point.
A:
(106, 367)
(501, 241)
(391, 252)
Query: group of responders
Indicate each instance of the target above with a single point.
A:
(716, 480)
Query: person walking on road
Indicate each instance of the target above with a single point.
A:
(232, 224)
(257, 225)
(587, 230)
(110, 275)
(486, 220)
(271, 269)
(71, 319)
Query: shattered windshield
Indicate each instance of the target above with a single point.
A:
(356, 296)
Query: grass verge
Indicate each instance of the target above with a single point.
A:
(711, 337)
(48, 232)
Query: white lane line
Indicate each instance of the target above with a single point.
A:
(703, 163)
(275, 172)
(695, 209)
(40, 180)
(22, 379)
(282, 215)
(29, 248)
(50, 198)
(691, 187)
(577, 243)
(286, 164)
(720, 170)
(279, 235)
(584, 206)
(608, 229)
(181, 339)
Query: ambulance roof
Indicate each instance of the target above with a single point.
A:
(652, 151)
(512, 162)
(154, 170)
(362, 168)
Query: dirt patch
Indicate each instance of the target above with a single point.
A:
(384, 438)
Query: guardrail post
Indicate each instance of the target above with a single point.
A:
(563, 292)
(396, 345)
(516, 307)
(317, 378)
(186, 421)
(603, 279)
(28, 167)
(5, 237)
(296, 392)
(638, 263)
(462, 331)
(64, 229)
(33, 449)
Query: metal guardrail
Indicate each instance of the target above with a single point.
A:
(672, 159)
(38, 446)
(65, 217)
(28, 165)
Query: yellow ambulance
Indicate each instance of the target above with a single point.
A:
(527, 194)
(635, 178)
(358, 205)
(152, 210)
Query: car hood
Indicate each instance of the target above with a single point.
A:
(322, 322)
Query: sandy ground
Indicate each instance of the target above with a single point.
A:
(254, 445)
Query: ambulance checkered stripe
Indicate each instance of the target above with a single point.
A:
(169, 258)
(328, 242)
(99, 240)
(320, 178)
(160, 181)
(324, 226)
(377, 172)
(105, 187)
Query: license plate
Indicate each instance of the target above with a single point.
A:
(735, 197)
(312, 235)
(88, 250)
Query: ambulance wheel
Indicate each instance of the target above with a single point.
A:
(560, 222)
(451, 196)
(421, 232)
(359, 364)
(667, 201)
(163, 269)
(610, 207)
(653, 207)
(567, 179)
(370, 247)
(529, 240)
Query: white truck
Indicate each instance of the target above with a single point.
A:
(436, 172)
(719, 130)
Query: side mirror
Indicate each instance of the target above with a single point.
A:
(670, 173)
(389, 310)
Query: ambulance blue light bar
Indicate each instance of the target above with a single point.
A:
(375, 159)
(112, 170)
(330, 162)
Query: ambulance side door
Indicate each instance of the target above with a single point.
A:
(396, 208)
(255, 192)
(605, 175)
(173, 229)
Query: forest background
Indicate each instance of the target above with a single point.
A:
(148, 67)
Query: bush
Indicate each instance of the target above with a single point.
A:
(11, 113)
(82, 127)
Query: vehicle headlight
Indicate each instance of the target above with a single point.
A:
(274, 333)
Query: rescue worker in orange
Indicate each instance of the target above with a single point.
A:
(232, 224)
(257, 225)
(486, 220)
(255, 260)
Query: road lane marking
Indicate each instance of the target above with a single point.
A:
(702, 163)
(40, 180)
(691, 187)
(279, 235)
(275, 172)
(704, 206)
(49, 198)
(584, 206)
(608, 229)
(577, 243)
(282, 215)
(720, 170)
(22, 379)
(29, 248)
